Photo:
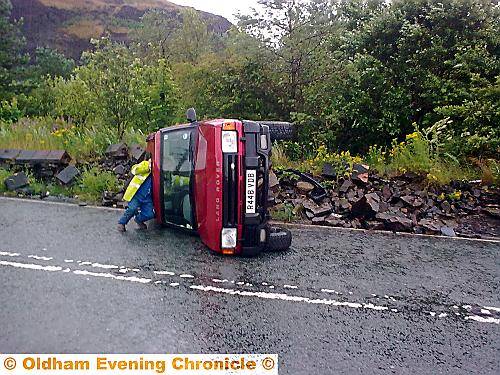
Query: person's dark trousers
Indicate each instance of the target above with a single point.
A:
(141, 205)
(143, 211)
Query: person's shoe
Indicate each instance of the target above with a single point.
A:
(121, 228)
(141, 226)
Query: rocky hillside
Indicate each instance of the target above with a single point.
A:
(68, 25)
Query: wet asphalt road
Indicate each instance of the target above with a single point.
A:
(337, 302)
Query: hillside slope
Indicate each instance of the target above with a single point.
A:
(68, 25)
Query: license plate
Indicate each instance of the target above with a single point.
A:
(251, 191)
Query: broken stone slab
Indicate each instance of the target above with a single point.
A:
(273, 180)
(59, 157)
(448, 231)
(344, 204)
(120, 170)
(412, 200)
(352, 196)
(16, 181)
(395, 222)
(345, 186)
(68, 174)
(136, 152)
(318, 220)
(329, 171)
(430, 226)
(317, 210)
(367, 206)
(117, 151)
(9, 154)
(360, 173)
(305, 186)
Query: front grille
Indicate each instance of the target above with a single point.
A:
(230, 190)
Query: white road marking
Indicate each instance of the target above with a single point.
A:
(6, 253)
(482, 319)
(37, 257)
(331, 291)
(111, 276)
(164, 273)
(259, 294)
(286, 297)
(497, 309)
(31, 266)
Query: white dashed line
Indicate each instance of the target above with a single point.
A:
(485, 310)
(31, 266)
(9, 254)
(37, 257)
(164, 273)
(111, 276)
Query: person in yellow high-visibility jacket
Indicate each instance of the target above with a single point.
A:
(138, 194)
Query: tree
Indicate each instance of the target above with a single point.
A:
(12, 60)
(404, 62)
(50, 63)
(155, 32)
(294, 30)
(119, 90)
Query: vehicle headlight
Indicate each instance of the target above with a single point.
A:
(229, 141)
(228, 238)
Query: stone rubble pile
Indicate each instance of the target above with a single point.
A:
(54, 166)
(404, 203)
(119, 159)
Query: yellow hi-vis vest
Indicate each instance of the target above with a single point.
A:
(140, 171)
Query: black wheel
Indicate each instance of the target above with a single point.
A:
(280, 239)
(281, 131)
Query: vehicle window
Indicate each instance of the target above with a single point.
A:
(177, 173)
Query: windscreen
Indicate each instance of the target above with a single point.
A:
(177, 175)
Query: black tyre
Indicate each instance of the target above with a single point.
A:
(280, 239)
(281, 131)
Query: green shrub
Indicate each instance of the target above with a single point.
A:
(3, 176)
(94, 182)
(284, 212)
(419, 153)
(342, 162)
(9, 111)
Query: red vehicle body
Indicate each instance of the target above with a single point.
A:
(212, 177)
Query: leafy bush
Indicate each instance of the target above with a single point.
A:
(284, 212)
(94, 182)
(118, 91)
(279, 158)
(9, 111)
(420, 155)
(3, 176)
(342, 162)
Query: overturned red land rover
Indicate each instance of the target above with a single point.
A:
(212, 177)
